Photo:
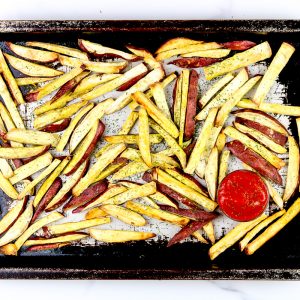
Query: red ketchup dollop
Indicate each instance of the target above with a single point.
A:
(243, 195)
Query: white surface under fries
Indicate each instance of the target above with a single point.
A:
(155, 9)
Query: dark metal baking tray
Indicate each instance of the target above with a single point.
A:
(278, 259)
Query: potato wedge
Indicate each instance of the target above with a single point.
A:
(59, 49)
(279, 61)
(233, 236)
(130, 169)
(144, 137)
(119, 236)
(175, 43)
(47, 171)
(211, 172)
(31, 69)
(32, 137)
(185, 190)
(292, 179)
(159, 97)
(7, 188)
(259, 149)
(10, 80)
(57, 115)
(125, 215)
(18, 227)
(23, 152)
(273, 229)
(103, 161)
(86, 124)
(102, 51)
(32, 54)
(239, 60)
(48, 182)
(94, 66)
(115, 83)
(53, 85)
(214, 53)
(95, 213)
(60, 197)
(57, 229)
(252, 233)
(225, 94)
(261, 138)
(223, 165)
(201, 141)
(31, 80)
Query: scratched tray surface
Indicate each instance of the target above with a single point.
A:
(278, 259)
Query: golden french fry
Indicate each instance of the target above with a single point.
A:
(156, 213)
(129, 123)
(199, 237)
(7, 188)
(273, 229)
(211, 173)
(239, 60)
(233, 236)
(278, 63)
(113, 168)
(252, 233)
(221, 141)
(185, 190)
(261, 150)
(5, 168)
(125, 215)
(32, 167)
(130, 169)
(178, 99)
(31, 80)
(119, 236)
(159, 97)
(24, 152)
(292, 179)
(216, 53)
(223, 164)
(210, 232)
(132, 139)
(95, 213)
(175, 43)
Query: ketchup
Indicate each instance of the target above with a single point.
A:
(242, 195)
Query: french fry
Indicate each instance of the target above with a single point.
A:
(215, 88)
(39, 178)
(31, 80)
(7, 188)
(94, 66)
(18, 227)
(125, 215)
(145, 54)
(10, 105)
(31, 69)
(199, 237)
(211, 173)
(215, 53)
(47, 247)
(186, 49)
(185, 190)
(239, 60)
(23, 152)
(130, 169)
(201, 141)
(225, 94)
(129, 123)
(159, 97)
(103, 161)
(234, 100)
(261, 138)
(57, 115)
(59, 49)
(193, 62)
(48, 182)
(223, 165)
(156, 114)
(292, 179)
(175, 43)
(113, 168)
(210, 232)
(32, 167)
(156, 213)
(11, 82)
(95, 213)
(66, 188)
(144, 137)
(239, 45)
(252, 233)
(57, 229)
(86, 124)
(273, 229)
(119, 236)
(60, 239)
(177, 100)
(221, 141)
(32, 54)
(32, 137)
(259, 149)
(5, 168)
(53, 85)
(278, 63)
(132, 193)
(233, 236)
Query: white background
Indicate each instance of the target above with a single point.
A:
(154, 9)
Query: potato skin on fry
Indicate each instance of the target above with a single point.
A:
(238, 45)
(58, 126)
(193, 62)
(125, 86)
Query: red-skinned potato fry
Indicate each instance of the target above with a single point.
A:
(193, 62)
(238, 45)
(125, 86)
(29, 159)
(254, 160)
(54, 188)
(46, 247)
(89, 194)
(57, 126)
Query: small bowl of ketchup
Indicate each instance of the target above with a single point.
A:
(243, 195)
